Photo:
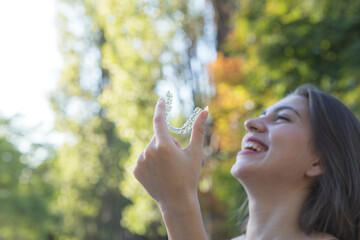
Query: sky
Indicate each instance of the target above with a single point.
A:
(29, 61)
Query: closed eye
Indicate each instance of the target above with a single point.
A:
(282, 117)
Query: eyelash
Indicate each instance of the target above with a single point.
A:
(282, 117)
(278, 117)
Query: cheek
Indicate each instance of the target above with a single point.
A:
(290, 152)
(289, 141)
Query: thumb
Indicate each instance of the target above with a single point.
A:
(198, 132)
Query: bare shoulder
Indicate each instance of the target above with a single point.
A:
(242, 237)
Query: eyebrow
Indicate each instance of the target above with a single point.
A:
(278, 109)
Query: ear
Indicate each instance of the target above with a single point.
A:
(315, 170)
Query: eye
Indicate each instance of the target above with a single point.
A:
(282, 117)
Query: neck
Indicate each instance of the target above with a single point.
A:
(275, 216)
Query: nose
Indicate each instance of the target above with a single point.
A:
(255, 125)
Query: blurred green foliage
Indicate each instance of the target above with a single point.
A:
(118, 56)
(25, 192)
(284, 44)
(114, 55)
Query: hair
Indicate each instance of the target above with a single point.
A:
(333, 205)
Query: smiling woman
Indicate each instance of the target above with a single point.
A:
(299, 165)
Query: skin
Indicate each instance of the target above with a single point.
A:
(276, 181)
(170, 174)
(289, 155)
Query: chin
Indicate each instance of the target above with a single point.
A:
(242, 171)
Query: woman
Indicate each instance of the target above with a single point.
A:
(299, 165)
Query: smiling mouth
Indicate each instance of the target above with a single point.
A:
(254, 146)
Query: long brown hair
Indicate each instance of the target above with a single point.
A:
(333, 205)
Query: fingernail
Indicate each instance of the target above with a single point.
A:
(161, 100)
(205, 115)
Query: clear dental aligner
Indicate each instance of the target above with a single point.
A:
(188, 124)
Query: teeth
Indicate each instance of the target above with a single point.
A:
(254, 146)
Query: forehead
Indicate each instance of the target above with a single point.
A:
(299, 103)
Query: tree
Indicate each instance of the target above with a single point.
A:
(88, 170)
(25, 193)
(273, 47)
(144, 48)
(115, 53)
(285, 44)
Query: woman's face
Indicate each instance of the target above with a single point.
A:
(277, 147)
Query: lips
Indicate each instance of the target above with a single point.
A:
(253, 144)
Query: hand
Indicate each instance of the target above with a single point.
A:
(168, 172)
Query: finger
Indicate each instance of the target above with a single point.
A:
(149, 148)
(152, 141)
(176, 141)
(160, 127)
(142, 158)
(144, 154)
(198, 132)
(136, 168)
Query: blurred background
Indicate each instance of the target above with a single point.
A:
(80, 79)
